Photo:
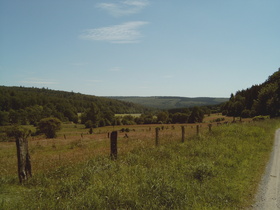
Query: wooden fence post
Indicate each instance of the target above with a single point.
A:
(197, 129)
(183, 134)
(23, 156)
(157, 136)
(210, 127)
(114, 148)
(24, 160)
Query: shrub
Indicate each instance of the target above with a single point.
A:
(125, 130)
(219, 119)
(49, 126)
(260, 117)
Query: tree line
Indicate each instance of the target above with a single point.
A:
(173, 116)
(262, 99)
(21, 105)
(28, 106)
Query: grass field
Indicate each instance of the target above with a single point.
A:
(122, 115)
(217, 170)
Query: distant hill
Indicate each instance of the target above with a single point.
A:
(170, 102)
(24, 105)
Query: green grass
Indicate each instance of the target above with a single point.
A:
(133, 115)
(218, 170)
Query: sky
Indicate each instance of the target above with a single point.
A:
(188, 48)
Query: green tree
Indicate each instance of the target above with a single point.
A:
(235, 106)
(148, 118)
(179, 117)
(139, 120)
(128, 120)
(34, 114)
(14, 117)
(92, 114)
(162, 117)
(89, 124)
(109, 116)
(4, 118)
(49, 126)
(197, 115)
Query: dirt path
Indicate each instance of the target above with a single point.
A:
(268, 197)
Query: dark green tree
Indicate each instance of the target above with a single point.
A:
(196, 116)
(179, 117)
(89, 124)
(14, 117)
(4, 118)
(267, 102)
(34, 114)
(128, 120)
(148, 118)
(163, 117)
(92, 114)
(263, 99)
(49, 126)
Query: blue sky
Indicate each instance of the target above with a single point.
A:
(189, 48)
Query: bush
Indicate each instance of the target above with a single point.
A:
(49, 126)
(219, 119)
(260, 117)
(125, 130)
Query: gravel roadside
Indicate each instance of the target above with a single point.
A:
(268, 196)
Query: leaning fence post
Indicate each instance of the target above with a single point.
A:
(183, 134)
(157, 136)
(114, 149)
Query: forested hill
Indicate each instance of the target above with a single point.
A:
(171, 102)
(20, 104)
(263, 99)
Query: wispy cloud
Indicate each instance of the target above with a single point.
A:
(38, 81)
(124, 33)
(125, 7)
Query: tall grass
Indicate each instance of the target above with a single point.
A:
(218, 170)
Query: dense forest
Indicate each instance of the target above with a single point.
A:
(168, 102)
(262, 99)
(20, 105)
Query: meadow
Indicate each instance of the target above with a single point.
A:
(220, 169)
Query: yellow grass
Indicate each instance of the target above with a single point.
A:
(74, 144)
